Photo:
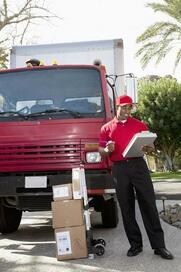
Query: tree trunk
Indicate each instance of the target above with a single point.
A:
(169, 163)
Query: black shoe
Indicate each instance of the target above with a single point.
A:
(134, 250)
(164, 253)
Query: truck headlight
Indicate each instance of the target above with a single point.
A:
(93, 157)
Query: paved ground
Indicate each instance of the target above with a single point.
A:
(171, 189)
(32, 248)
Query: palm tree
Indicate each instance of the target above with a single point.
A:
(161, 37)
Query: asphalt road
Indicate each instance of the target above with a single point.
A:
(32, 249)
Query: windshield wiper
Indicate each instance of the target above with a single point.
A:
(12, 113)
(75, 114)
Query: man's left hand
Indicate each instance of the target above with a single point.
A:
(148, 149)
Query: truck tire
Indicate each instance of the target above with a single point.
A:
(109, 214)
(10, 219)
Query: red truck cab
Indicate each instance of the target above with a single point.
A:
(50, 119)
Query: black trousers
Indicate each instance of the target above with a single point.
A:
(132, 177)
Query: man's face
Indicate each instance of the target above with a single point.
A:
(123, 112)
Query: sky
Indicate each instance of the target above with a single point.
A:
(85, 20)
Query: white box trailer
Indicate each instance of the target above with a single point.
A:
(109, 52)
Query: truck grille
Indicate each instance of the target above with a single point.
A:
(55, 154)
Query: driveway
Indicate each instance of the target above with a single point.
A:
(171, 189)
(32, 249)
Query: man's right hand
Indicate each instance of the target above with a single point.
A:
(110, 146)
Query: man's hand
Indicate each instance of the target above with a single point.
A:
(105, 151)
(110, 146)
(148, 148)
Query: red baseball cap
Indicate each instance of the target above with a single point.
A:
(124, 100)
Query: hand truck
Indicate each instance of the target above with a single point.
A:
(95, 246)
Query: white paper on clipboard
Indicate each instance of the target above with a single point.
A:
(140, 139)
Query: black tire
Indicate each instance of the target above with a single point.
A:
(101, 241)
(99, 249)
(109, 214)
(10, 219)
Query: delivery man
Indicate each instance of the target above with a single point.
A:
(131, 176)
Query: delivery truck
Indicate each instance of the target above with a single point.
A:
(50, 119)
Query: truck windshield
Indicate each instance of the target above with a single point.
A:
(56, 92)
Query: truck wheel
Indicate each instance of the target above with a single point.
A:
(10, 219)
(109, 214)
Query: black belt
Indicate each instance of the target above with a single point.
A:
(128, 160)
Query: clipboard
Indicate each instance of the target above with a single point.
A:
(140, 139)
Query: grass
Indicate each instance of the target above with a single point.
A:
(166, 175)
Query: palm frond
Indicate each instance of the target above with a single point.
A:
(171, 8)
(162, 51)
(161, 37)
(163, 29)
(150, 32)
(154, 50)
(178, 58)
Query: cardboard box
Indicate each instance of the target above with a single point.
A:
(77, 187)
(67, 213)
(62, 192)
(71, 243)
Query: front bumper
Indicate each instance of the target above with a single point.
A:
(12, 188)
(14, 184)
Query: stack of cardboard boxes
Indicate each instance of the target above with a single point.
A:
(68, 221)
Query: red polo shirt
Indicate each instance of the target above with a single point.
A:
(121, 133)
